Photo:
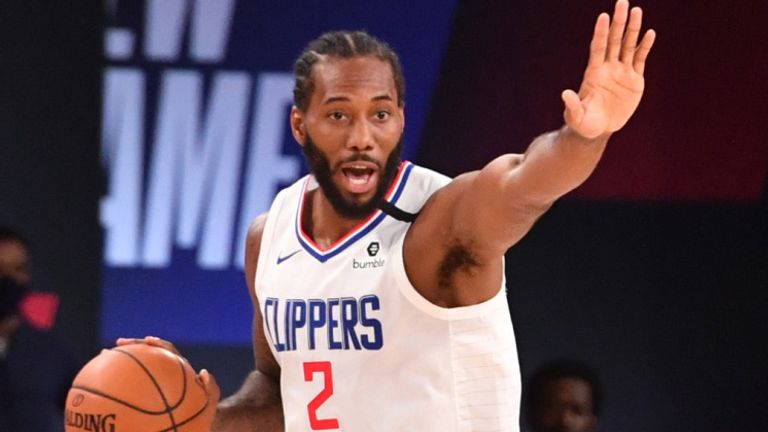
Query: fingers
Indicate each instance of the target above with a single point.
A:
(214, 394)
(574, 111)
(642, 51)
(616, 33)
(212, 390)
(210, 384)
(126, 341)
(162, 343)
(149, 340)
(599, 43)
(630, 39)
(610, 42)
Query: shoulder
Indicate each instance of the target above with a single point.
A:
(445, 196)
(443, 264)
(414, 186)
(252, 248)
(256, 231)
(429, 230)
(427, 178)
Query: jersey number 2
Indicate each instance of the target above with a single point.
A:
(323, 367)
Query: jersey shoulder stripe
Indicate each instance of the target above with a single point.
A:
(366, 226)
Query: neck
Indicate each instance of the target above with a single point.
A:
(322, 223)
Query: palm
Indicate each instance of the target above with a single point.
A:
(613, 81)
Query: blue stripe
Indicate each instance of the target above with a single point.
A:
(401, 187)
(325, 257)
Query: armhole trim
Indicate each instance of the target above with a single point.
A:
(449, 314)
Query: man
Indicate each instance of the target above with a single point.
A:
(378, 287)
(36, 370)
(564, 396)
(14, 256)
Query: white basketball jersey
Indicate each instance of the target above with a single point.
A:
(359, 348)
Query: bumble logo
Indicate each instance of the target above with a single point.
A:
(373, 250)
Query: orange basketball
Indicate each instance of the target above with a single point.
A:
(136, 388)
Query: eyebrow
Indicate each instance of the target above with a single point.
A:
(333, 99)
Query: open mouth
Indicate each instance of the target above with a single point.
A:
(358, 175)
(359, 178)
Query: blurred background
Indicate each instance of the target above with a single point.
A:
(139, 138)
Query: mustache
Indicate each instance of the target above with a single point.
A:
(359, 157)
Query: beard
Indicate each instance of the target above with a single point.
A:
(320, 167)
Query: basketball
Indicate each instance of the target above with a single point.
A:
(136, 388)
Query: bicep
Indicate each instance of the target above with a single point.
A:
(501, 202)
(492, 209)
(453, 250)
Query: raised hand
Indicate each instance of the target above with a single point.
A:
(613, 81)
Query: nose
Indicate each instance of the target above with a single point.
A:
(360, 136)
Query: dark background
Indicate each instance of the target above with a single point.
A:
(655, 271)
(50, 170)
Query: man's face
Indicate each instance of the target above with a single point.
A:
(352, 132)
(14, 261)
(566, 406)
(320, 165)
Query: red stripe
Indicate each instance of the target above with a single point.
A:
(357, 227)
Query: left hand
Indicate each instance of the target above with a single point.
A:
(212, 390)
(613, 81)
(149, 340)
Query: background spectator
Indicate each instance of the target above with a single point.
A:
(564, 396)
(36, 369)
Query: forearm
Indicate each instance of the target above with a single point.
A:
(556, 163)
(256, 407)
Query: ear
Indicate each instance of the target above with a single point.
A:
(298, 125)
(402, 116)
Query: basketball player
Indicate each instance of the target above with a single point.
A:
(378, 286)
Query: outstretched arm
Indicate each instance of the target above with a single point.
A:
(257, 405)
(613, 84)
(514, 190)
(479, 215)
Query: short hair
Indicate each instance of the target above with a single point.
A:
(563, 368)
(342, 45)
(10, 234)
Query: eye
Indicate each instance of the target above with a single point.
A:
(382, 115)
(336, 115)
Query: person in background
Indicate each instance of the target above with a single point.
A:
(36, 369)
(564, 396)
